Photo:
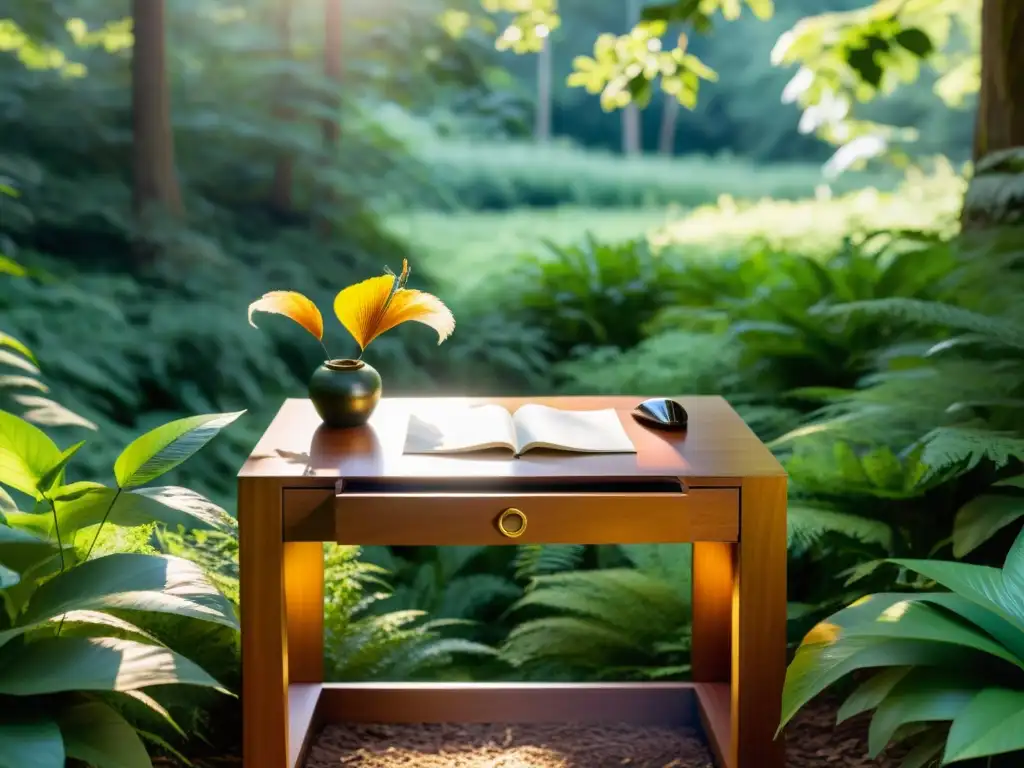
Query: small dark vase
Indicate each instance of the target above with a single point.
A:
(345, 392)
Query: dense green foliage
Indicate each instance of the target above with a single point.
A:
(853, 329)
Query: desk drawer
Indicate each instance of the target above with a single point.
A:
(703, 514)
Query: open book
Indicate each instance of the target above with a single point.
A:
(477, 428)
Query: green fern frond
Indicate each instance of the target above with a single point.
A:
(934, 313)
(956, 450)
(621, 598)
(807, 525)
(534, 560)
(466, 596)
(570, 639)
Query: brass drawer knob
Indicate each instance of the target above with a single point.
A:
(512, 523)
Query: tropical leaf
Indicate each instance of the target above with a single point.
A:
(162, 449)
(98, 736)
(56, 472)
(26, 454)
(133, 581)
(57, 664)
(924, 695)
(83, 504)
(370, 308)
(991, 724)
(35, 743)
(981, 518)
(292, 305)
(84, 624)
(871, 692)
(977, 583)
(20, 550)
(816, 667)
(18, 382)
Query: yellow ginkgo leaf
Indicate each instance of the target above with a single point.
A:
(423, 308)
(374, 306)
(293, 305)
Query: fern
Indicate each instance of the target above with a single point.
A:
(534, 560)
(958, 450)
(610, 621)
(933, 313)
(808, 525)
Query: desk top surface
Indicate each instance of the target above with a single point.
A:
(717, 449)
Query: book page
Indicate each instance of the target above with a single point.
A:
(538, 426)
(441, 429)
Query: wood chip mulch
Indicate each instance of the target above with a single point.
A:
(812, 741)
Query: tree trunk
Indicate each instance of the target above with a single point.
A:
(330, 125)
(284, 167)
(155, 182)
(542, 116)
(996, 193)
(631, 126)
(332, 69)
(669, 117)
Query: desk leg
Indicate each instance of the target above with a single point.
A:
(304, 607)
(264, 641)
(759, 625)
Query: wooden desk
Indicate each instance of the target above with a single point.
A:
(715, 485)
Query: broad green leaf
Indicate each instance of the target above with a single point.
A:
(133, 581)
(56, 664)
(1012, 482)
(915, 40)
(8, 578)
(98, 736)
(20, 550)
(924, 695)
(992, 623)
(912, 620)
(162, 449)
(924, 752)
(6, 340)
(26, 454)
(84, 624)
(1013, 566)
(146, 700)
(871, 692)
(991, 724)
(31, 744)
(980, 584)
(84, 504)
(816, 667)
(56, 472)
(981, 518)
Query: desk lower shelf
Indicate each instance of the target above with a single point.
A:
(703, 705)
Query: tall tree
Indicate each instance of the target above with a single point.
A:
(669, 118)
(1000, 122)
(284, 167)
(542, 116)
(332, 69)
(155, 181)
(631, 126)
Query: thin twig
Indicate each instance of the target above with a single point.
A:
(99, 530)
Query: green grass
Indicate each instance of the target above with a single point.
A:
(462, 248)
(493, 176)
(459, 249)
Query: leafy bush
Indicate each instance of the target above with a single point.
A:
(946, 668)
(365, 643)
(68, 649)
(612, 623)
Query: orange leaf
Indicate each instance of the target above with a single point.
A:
(374, 306)
(360, 307)
(423, 308)
(293, 305)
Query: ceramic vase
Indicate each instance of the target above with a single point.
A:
(345, 392)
